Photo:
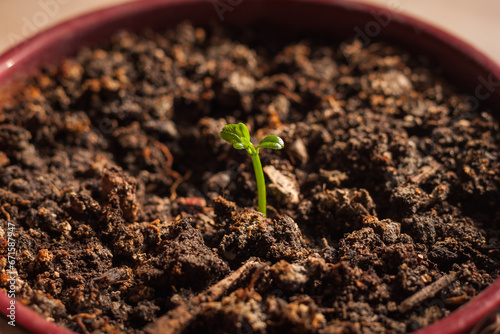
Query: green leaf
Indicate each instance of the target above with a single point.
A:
(230, 134)
(272, 142)
(242, 130)
(237, 134)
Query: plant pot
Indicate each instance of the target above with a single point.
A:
(464, 64)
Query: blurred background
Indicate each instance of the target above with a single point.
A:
(477, 22)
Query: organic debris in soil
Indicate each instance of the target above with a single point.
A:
(131, 214)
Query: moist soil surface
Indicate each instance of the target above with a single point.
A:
(131, 214)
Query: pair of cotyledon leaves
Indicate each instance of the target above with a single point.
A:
(239, 136)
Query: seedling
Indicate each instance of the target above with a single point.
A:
(239, 136)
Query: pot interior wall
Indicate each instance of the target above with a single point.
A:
(342, 19)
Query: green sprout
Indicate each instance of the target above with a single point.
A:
(239, 136)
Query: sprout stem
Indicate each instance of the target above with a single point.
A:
(261, 185)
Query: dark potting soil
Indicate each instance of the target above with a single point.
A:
(130, 210)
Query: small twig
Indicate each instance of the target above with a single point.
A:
(178, 318)
(292, 96)
(166, 152)
(424, 173)
(427, 292)
(4, 212)
(79, 319)
(254, 277)
(82, 326)
(86, 315)
(177, 182)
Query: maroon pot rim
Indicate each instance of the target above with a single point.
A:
(462, 62)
